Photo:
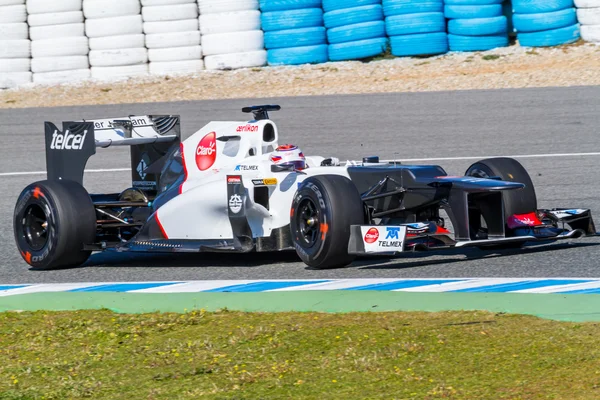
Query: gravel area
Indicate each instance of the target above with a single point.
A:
(509, 67)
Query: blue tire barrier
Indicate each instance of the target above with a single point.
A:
(351, 33)
(476, 43)
(285, 5)
(400, 7)
(540, 6)
(295, 38)
(486, 11)
(552, 37)
(298, 55)
(507, 12)
(292, 19)
(545, 21)
(415, 23)
(354, 15)
(478, 26)
(332, 5)
(423, 44)
(357, 50)
(473, 2)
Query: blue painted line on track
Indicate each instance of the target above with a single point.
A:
(581, 291)
(522, 285)
(9, 287)
(122, 287)
(403, 284)
(262, 286)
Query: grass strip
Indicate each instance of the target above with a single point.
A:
(234, 355)
(577, 308)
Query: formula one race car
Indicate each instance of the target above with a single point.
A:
(231, 187)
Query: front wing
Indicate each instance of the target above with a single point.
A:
(555, 224)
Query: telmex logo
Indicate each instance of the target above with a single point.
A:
(247, 128)
(67, 141)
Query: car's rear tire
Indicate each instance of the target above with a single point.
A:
(523, 201)
(52, 221)
(323, 210)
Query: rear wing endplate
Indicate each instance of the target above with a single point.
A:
(151, 138)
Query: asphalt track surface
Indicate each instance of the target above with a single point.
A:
(435, 125)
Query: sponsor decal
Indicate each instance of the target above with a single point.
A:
(206, 152)
(372, 235)
(247, 128)
(246, 168)
(141, 167)
(67, 141)
(235, 203)
(232, 180)
(417, 228)
(375, 242)
(315, 189)
(265, 182)
(108, 123)
(523, 220)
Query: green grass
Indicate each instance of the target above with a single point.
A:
(490, 57)
(232, 355)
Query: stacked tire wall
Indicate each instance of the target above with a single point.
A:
(63, 41)
(116, 38)
(355, 29)
(231, 34)
(294, 32)
(15, 46)
(588, 14)
(59, 46)
(541, 23)
(172, 36)
(415, 27)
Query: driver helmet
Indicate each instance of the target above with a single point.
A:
(289, 154)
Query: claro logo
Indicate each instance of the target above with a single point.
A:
(67, 141)
(372, 235)
(206, 152)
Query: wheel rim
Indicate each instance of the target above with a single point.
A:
(35, 227)
(307, 220)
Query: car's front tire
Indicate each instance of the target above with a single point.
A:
(52, 221)
(322, 212)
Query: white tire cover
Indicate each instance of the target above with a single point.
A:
(73, 46)
(236, 60)
(177, 39)
(11, 14)
(52, 64)
(15, 48)
(71, 17)
(165, 2)
(56, 31)
(15, 65)
(59, 77)
(115, 26)
(235, 42)
(117, 42)
(230, 22)
(589, 16)
(175, 54)
(52, 6)
(119, 57)
(110, 8)
(219, 6)
(114, 73)
(14, 31)
(170, 13)
(590, 33)
(587, 3)
(9, 80)
(184, 25)
(187, 67)
(11, 2)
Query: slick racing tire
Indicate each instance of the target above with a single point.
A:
(322, 212)
(52, 222)
(523, 201)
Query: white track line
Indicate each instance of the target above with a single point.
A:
(402, 159)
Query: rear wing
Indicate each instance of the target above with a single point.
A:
(151, 138)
